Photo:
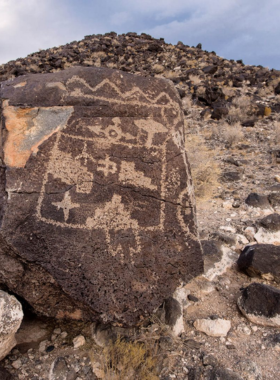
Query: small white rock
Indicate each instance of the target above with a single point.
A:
(216, 327)
(79, 341)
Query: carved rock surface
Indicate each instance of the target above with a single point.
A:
(97, 207)
(10, 319)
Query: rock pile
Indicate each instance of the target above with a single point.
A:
(211, 80)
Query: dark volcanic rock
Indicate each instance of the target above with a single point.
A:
(261, 260)
(261, 304)
(256, 200)
(271, 222)
(97, 206)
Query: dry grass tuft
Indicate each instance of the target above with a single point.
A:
(122, 360)
(205, 170)
(232, 134)
(195, 79)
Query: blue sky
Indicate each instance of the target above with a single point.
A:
(235, 29)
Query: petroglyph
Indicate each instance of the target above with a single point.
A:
(114, 216)
(66, 205)
(105, 206)
(151, 127)
(107, 166)
(130, 176)
(70, 170)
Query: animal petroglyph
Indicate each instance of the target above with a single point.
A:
(70, 170)
(151, 127)
(114, 216)
(130, 176)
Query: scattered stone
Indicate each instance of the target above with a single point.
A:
(216, 327)
(271, 222)
(256, 200)
(261, 304)
(261, 260)
(193, 298)
(231, 176)
(10, 319)
(17, 364)
(249, 370)
(50, 348)
(79, 341)
(250, 233)
(104, 124)
(59, 369)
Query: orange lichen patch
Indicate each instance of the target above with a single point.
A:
(21, 84)
(28, 128)
(77, 315)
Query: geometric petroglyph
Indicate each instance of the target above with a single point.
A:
(107, 166)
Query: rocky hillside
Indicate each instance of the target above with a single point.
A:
(231, 315)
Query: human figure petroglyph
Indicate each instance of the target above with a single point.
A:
(66, 205)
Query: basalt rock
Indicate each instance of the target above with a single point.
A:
(261, 260)
(261, 304)
(97, 207)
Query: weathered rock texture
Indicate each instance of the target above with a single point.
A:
(10, 319)
(97, 200)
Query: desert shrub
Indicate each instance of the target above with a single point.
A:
(241, 107)
(171, 75)
(158, 69)
(205, 170)
(231, 134)
(122, 360)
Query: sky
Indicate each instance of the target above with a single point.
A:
(234, 29)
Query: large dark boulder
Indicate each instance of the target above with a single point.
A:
(261, 260)
(97, 207)
(261, 304)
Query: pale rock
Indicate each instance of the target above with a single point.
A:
(250, 233)
(228, 229)
(79, 341)
(17, 364)
(10, 319)
(227, 205)
(265, 237)
(216, 327)
(181, 296)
